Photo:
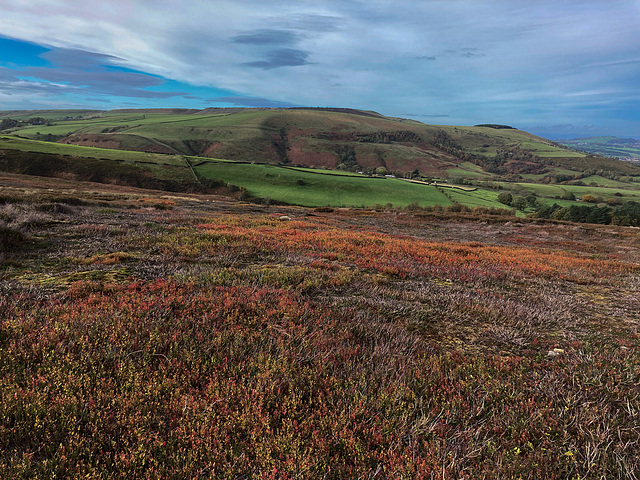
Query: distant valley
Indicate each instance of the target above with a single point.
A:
(622, 148)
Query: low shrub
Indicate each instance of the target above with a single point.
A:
(10, 238)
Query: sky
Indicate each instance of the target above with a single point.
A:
(552, 67)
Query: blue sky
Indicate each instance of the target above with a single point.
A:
(555, 68)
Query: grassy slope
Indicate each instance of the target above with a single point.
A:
(48, 114)
(468, 170)
(246, 131)
(488, 197)
(477, 198)
(249, 133)
(486, 141)
(320, 189)
(90, 152)
(280, 184)
(578, 191)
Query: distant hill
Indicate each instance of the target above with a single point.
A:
(333, 138)
(623, 148)
(319, 157)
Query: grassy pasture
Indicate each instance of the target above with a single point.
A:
(90, 152)
(56, 115)
(477, 198)
(550, 171)
(577, 190)
(549, 151)
(467, 170)
(320, 187)
(325, 172)
(605, 182)
(314, 189)
(151, 124)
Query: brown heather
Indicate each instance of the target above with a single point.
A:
(144, 335)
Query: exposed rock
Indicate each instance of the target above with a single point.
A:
(555, 352)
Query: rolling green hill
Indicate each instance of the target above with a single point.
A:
(352, 140)
(309, 157)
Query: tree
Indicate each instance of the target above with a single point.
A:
(519, 203)
(589, 198)
(8, 123)
(506, 198)
(531, 200)
(627, 214)
(546, 211)
(560, 214)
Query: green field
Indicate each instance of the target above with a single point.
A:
(321, 187)
(467, 170)
(551, 171)
(548, 151)
(57, 115)
(487, 141)
(325, 187)
(551, 191)
(89, 152)
(477, 198)
(604, 182)
(324, 172)
(315, 189)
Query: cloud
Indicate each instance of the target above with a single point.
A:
(309, 23)
(284, 57)
(262, 43)
(97, 99)
(73, 58)
(467, 52)
(97, 73)
(12, 83)
(472, 54)
(267, 37)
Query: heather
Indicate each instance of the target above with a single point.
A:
(148, 336)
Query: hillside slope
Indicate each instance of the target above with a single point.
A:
(347, 139)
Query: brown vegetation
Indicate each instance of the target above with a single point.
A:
(151, 335)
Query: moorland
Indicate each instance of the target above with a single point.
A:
(154, 324)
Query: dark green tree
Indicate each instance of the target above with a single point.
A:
(506, 198)
(519, 203)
